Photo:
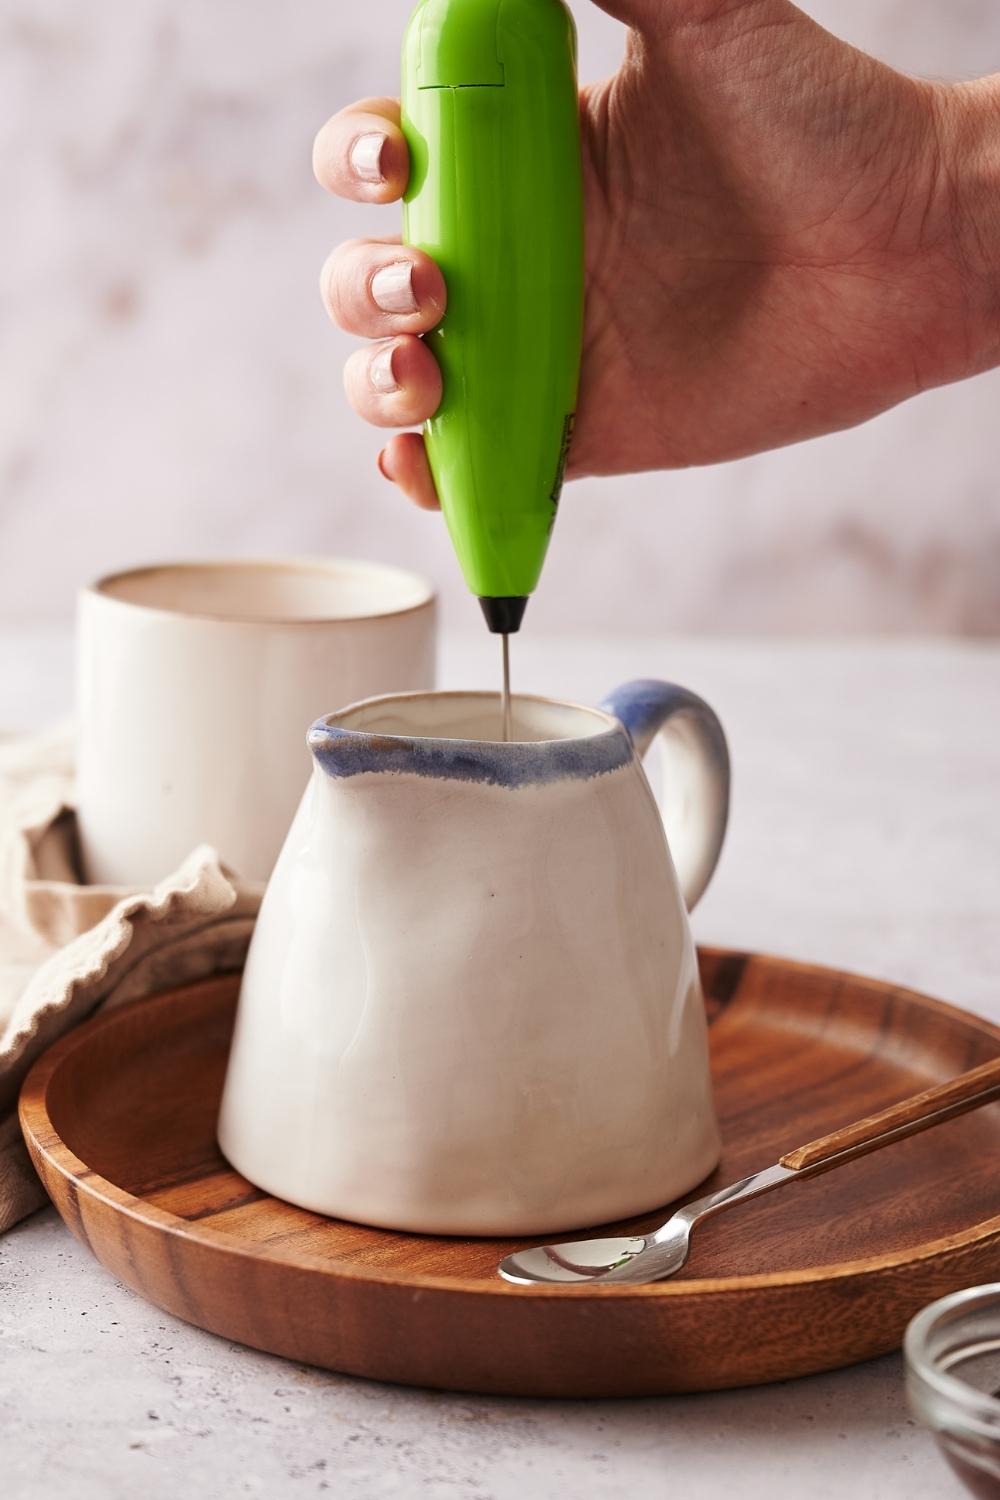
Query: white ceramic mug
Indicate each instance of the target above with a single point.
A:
(472, 1003)
(196, 685)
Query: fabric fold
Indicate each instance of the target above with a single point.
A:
(68, 950)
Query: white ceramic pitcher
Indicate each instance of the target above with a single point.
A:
(472, 1003)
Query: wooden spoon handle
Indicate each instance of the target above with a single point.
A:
(917, 1113)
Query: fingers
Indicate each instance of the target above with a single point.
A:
(383, 290)
(396, 383)
(404, 461)
(362, 154)
(376, 288)
(388, 292)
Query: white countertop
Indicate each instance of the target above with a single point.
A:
(866, 834)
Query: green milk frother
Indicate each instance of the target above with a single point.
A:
(491, 115)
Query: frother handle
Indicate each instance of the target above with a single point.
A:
(919, 1112)
(696, 779)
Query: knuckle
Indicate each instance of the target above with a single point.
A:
(328, 286)
(320, 147)
(356, 383)
(336, 281)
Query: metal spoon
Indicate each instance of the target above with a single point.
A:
(634, 1259)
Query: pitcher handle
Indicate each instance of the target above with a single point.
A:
(697, 776)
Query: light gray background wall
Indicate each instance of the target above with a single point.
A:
(169, 384)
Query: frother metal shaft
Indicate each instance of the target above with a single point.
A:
(508, 728)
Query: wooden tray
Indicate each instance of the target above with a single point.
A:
(120, 1120)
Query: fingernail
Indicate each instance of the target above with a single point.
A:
(392, 288)
(381, 466)
(380, 371)
(366, 157)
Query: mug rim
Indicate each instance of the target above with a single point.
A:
(101, 588)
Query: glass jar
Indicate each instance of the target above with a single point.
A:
(952, 1351)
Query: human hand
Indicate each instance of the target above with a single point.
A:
(780, 243)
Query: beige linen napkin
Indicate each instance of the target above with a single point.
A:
(68, 950)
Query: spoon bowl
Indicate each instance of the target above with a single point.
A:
(584, 1260)
(633, 1259)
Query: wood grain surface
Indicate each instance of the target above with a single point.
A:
(120, 1121)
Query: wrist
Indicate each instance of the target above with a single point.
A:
(968, 132)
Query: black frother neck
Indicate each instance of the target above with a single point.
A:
(504, 616)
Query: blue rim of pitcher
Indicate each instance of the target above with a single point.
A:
(343, 752)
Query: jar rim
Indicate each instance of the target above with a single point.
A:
(970, 1412)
